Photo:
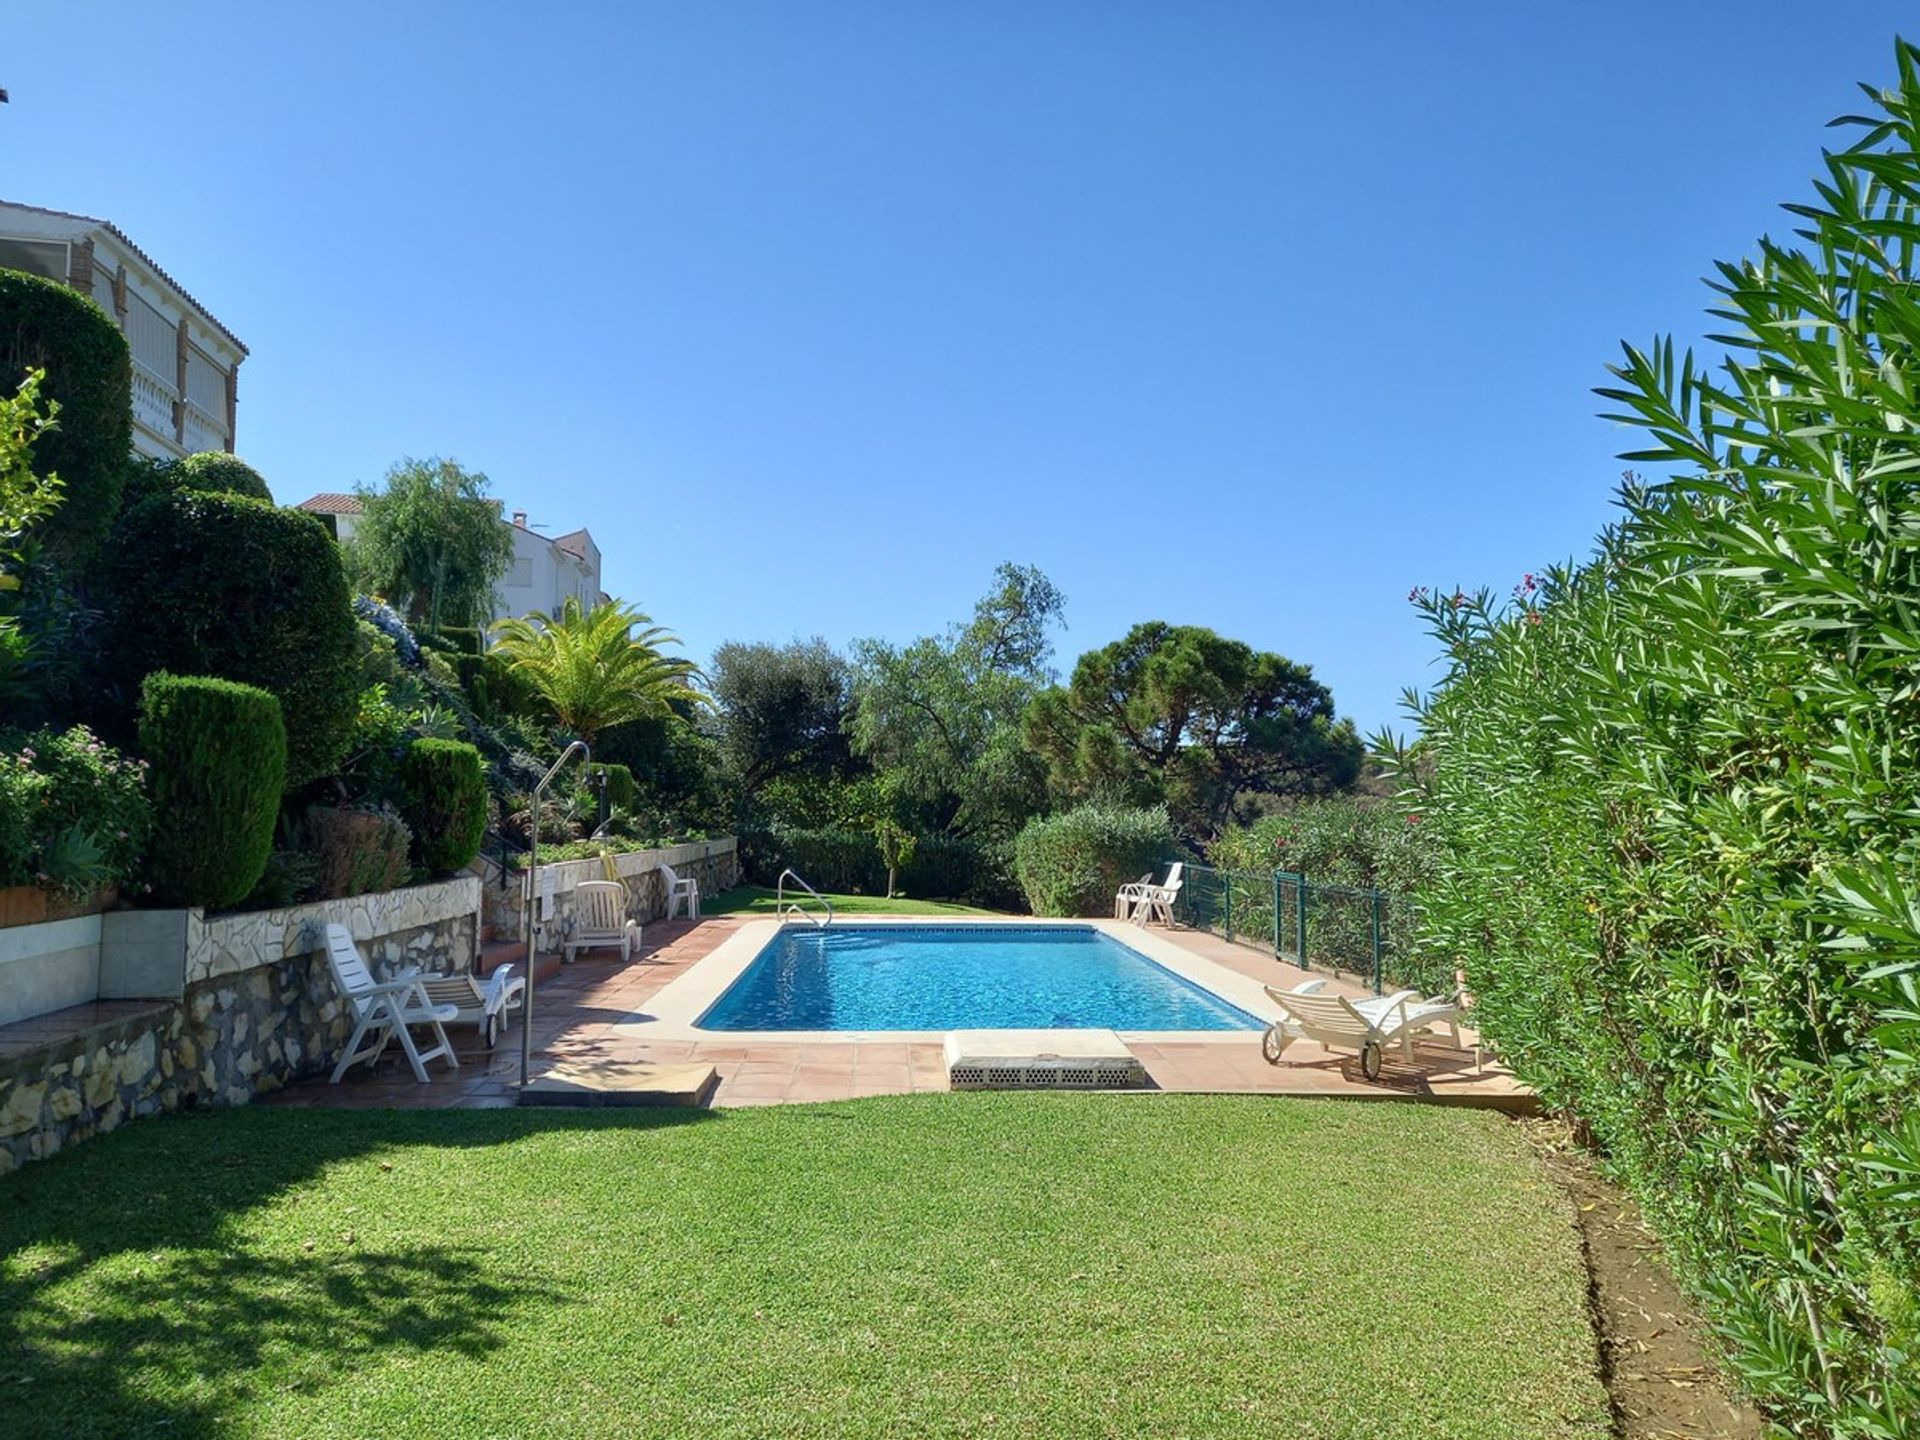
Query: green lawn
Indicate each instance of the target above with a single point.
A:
(937, 1265)
(758, 900)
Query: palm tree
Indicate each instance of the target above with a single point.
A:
(592, 666)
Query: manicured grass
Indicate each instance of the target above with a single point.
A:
(758, 900)
(945, 1265)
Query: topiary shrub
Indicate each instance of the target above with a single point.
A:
(621, 788)
(356, 852)
(1072, 863)
(222, 585)
(446, 804)
(217, 753)
(89, 371)
(214, 472)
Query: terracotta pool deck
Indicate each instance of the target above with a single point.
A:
(583, 1012)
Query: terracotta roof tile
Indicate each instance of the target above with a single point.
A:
(331, 502)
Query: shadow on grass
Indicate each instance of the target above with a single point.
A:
(133, 1302)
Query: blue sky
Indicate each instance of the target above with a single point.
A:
(1244, 315)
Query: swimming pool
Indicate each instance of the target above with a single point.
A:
(962, 977)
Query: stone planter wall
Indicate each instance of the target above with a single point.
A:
(714, 863)
(255, 1008)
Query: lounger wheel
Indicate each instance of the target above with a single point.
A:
(1370, 1057)
(490, 1031)
(1274, 1044)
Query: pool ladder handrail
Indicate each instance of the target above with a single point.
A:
(784, 910)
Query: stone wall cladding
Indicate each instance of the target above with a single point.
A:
(241, 1029)
(714, 863)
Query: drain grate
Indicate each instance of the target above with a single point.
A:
(992, 1060)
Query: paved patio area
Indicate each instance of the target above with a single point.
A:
(579, 1010)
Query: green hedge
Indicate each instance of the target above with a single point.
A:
(847, 862)
(446, 805)
(1673, 795)
(218, 757)
(90, 372)
(222, 585)
(620, 785)
(1072, 863)
(214, 472)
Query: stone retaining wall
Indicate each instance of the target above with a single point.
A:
(714, 863)
(257, 1008)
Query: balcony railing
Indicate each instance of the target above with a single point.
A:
(203, 432)
(152, 401)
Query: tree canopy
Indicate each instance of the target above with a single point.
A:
(782, 709)
(1180, 715)
(431, 543)
(599, 667)
(942, 714)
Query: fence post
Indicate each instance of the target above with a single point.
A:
(1276, 914)
(1376, 942)
(1226, 916)
(1300, 915)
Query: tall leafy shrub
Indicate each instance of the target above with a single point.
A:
(218, 757)
(222, 585)
(1673, 792)
(446, 807)
(1073, 862)
(89, 374)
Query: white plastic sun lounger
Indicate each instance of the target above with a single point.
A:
(600, 915)
(1367, 1025)
(384, 1010)
(483, 1005)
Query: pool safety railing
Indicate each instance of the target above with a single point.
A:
(792, 909)
(1366, 933)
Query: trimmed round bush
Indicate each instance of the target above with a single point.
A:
(621, 789)
(45, 325)
(1072, 863)
(214, 472)
(446, 806)
(217, 757)
(222, 585)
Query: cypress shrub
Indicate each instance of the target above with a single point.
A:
(217, 753)
(227, 586)
(446, 804)
(214, 472)
(90, 372)
(1072, 863)
(620, 785)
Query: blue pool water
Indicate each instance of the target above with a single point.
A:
(962, 977)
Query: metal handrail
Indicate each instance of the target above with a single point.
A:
(784, 910)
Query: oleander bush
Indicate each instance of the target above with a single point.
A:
(222, 585)
(218, 756)
(446, 803)
(74, 815)
(89, 372)
(1673, 802)
(1073, 862)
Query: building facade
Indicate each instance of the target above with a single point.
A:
(186, 364)
(545, 572)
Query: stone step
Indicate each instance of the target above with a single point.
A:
(608, 1083)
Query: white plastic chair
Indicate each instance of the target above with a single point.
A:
(1367, 1025)
(600, 919)
(1155, 902)
(681, 894)
(383, 1010)
(484, 1006)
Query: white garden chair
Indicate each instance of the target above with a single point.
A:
(1367, 1025)
(681, 894)
(1150, 902)
(483, 1006)
(600, 919)
(384, 1010)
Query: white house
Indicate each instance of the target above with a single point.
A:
(185, 362)
(545, 572)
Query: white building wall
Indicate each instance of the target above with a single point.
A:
(543, 577)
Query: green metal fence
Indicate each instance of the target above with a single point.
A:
(1367, 933)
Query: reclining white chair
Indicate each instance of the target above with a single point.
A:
(484, 1006)
(681, 894)
(383, 1010)
(1143, 901)
(1367, 1025)
(600, 919)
